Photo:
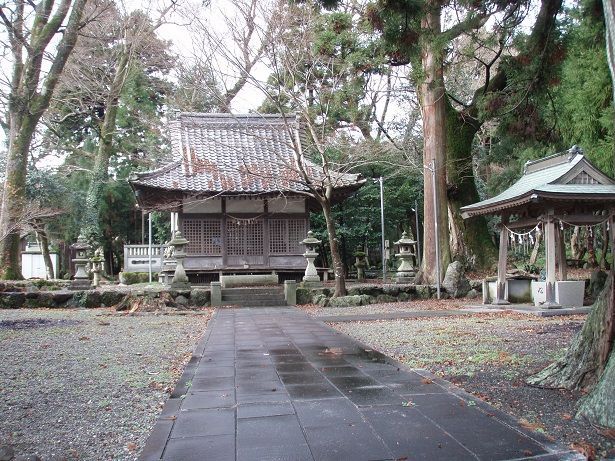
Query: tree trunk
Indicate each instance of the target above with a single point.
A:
(578, 252)
(338, 264)
(588, 354)
(604, 265)
(43, 242)
(470, 239)
(28, 99)
(534, 254)
(433, 110)
(14, 193)
(591, 248)
(598, 406)
(90, 228)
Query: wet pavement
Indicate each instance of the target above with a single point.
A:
(275, 384)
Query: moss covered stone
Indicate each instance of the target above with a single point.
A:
(199, 297)
(352, 300)
(12, 300)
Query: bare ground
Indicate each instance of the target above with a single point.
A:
(489, 355)
(88, 384)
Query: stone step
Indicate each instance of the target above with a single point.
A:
(277, 303)
(254, 297)
(252, 291)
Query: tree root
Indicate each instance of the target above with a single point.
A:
(589, 351)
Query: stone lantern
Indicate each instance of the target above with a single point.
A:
(311, 245)
(360, 263)
(407, 253)
(180, 279)
(97, 265)
(81, 280)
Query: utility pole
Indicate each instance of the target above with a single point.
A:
(384, 260)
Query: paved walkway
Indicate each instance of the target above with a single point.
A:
(274, 384)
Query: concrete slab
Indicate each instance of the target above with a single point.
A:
(298, 390)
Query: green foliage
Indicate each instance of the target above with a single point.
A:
(332, 71)
(358, 217)
(570, 102)
(132, 278)
(584, 96)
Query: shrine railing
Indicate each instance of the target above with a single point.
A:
(136, 257)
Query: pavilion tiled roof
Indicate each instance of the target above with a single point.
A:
(558, 176)
(245, 154)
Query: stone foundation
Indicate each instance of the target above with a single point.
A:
(371, 294)
(64, 299)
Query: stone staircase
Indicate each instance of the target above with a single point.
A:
(254, 296)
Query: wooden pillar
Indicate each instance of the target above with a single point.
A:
(550, 263)
(223, 231)
(266, 246)
(561, 254)
(500, 290)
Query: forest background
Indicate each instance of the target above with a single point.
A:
(521, 80)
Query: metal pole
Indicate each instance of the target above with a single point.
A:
(142, 227)
(384, 261)
(418, 240)
(149, 244)
(435, 219)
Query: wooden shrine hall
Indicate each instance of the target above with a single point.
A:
(561, 190)
(236, 192)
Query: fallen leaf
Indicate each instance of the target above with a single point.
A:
(131, 446)
(605, 431)
(567, 416)
(531, 426)
(527, 453)
(426, 381)
(84, 338)
(585, 449)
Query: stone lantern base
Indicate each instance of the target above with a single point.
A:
(312, 282)
(81, 284)
(405, 277)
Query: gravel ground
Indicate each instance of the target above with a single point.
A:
(88, 384)
(489, 355)
(417, 305)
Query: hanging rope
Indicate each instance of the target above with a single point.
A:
(517, 234)
(587, 226)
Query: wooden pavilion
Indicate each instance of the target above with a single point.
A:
(234, 190)
(557, 191)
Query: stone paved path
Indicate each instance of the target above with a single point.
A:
(275, 384)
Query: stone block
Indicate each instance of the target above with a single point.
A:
(455, 282)
(391, 290)
(199, 297)
(384, 298)
(247, 280)
(423, 291)
(320, 299)
(290, 292)
(12, 300)
(110, 298)
(304, 296)
(352, 300)
(216, 294)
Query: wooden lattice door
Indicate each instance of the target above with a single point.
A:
(244, 242)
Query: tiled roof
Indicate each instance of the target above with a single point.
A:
(548, 176)
(224, 153)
